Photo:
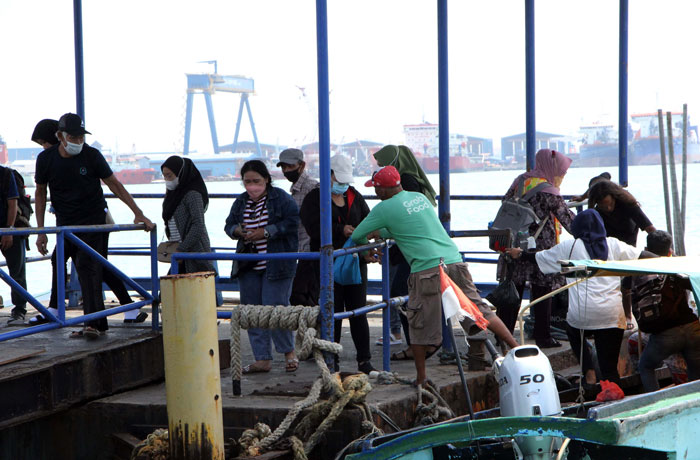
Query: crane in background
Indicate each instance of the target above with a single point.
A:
(208, 84)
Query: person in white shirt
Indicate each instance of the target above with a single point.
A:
(595, 305)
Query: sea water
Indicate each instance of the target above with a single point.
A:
(645, 183)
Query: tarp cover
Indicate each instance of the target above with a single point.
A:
(687, 265)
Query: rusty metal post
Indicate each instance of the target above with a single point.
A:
(192, 380)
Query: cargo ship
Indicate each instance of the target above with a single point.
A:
(599, 145)
(131, 169)
(467, 153)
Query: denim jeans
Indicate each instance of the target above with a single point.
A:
(256, 289)
(15, 258)
(684, 339)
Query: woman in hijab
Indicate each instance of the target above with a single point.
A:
(413, 179)
(185, 203)
(547, 202)
(595, 305)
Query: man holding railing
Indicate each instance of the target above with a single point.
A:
(409, 218)
(72, 171)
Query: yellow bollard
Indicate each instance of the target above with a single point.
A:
(192, 381)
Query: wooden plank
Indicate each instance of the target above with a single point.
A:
(11, 356)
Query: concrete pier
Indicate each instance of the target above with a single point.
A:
(87, 399)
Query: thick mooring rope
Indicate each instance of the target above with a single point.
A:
(297, 318)
(155, 447)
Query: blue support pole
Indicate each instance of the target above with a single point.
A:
(530, 126)
(212, 122)
(324, 143)
(155, 281)
(60, 277)
(238, 124)
(622, 122)
(444, 136)
(386, 311)
(252, 124)
(444, 118)
(79, 69)
(188, 122)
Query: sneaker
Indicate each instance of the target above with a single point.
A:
(365, 367)
(395, 340)
(16, 319)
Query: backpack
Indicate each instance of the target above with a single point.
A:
(655, 301)
(24, 202)
(516, 214)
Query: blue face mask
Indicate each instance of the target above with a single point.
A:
(339, 189)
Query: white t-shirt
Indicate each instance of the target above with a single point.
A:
(597, 302)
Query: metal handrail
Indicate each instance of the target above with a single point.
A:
(69, 232)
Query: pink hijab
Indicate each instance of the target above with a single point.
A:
(548, 165)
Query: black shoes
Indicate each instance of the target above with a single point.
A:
(16, 319)
(365, 367)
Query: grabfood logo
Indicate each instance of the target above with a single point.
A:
(416, 205)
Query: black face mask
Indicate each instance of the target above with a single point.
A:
(292, 176)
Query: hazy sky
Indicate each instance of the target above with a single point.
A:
(383, 66)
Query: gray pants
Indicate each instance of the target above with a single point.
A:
(684, 339)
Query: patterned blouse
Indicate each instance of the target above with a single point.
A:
(544, 204)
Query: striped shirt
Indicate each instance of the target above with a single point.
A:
(174, 233)
(254, 217)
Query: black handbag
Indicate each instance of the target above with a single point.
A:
(505, 296)
(241, 266)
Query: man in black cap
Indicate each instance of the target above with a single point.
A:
(72, 171)
(305, 287)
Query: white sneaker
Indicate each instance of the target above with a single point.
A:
(394, 340)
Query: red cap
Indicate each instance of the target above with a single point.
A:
(388, 176)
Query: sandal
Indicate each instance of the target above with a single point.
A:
(401, 355)
(91, 333)
(292, 365)
(255, 369)
(76, 335)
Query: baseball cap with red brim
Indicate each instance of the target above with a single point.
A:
(388, 176)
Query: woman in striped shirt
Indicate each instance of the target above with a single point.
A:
(267, 217)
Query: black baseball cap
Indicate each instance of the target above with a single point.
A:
(72, 124)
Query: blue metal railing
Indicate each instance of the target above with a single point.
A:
(68, 232)
(326, 318)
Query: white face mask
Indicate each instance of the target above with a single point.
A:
(74, 149)
(172, 184)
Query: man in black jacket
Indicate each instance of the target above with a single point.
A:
(672, 325)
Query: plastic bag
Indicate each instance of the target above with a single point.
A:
(346, 269)
(610, 392)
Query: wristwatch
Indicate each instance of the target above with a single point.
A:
(266, 234)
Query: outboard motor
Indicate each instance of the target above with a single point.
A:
(527, 389)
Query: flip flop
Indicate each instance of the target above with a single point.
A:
(254, 369)
(91, 333)
(292, 365)
(401, 356)
(76, 335)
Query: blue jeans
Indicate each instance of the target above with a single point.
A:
(684, 339)
(256, 289)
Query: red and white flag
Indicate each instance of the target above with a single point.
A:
(457, 305)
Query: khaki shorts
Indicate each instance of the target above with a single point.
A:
(424, 309)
